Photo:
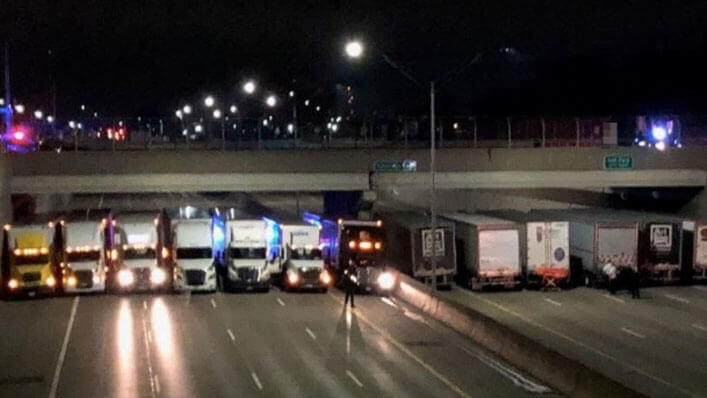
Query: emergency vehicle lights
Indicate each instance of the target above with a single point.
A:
(13, 284)
(125, 277)
(386, 280)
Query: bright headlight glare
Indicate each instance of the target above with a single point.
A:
(125, 277)
(325, 277)
(386, 280)
(71, 281)
(13, 284)
(158, 276)
(51, 281)
(292, 278)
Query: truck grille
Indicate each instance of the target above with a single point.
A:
(84, 278)
(31, 276)
(310, 275)
(248, 274)
(195, 276)
(142, 276)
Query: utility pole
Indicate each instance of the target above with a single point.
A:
(433, 194)
(8, 93)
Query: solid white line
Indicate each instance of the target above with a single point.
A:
(230, 334)
(213, 303)
(677, 298)
(354, 378)
(256, 380)
(618, 300)
(157, 384)
(632, 333)
(389, 302)
(310, 333)
(698, 326)
(151, 374)
(149, 336)
(62, 352)
(282, 303)
(553, 302)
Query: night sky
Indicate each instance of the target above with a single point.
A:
(146, 57)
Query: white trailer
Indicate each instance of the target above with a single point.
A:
(249, 256)
(546, 243)
(194, 268)
(142, 263)
(694, 250)
(488, 250)
(599, 236)
(302, 262)
(84, 257)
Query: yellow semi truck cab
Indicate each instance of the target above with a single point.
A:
(30, 260)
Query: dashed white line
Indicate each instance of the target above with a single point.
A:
(279, 301)
(632, 333)
(144, 304)
(256, 380)
(703, 288)
(354, 378)
(310, 333)
(157, 384)
(618, 300)
(677, 298)
(62, 352)
(553, 302)
(213, 303)
(700, 327)
(149, 336)
(231, 335)
(389, 302)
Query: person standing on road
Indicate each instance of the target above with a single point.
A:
(610, 271)
(350, 282)
(634, 280)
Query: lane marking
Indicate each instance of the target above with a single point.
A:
(581, 344)
(612, 297)
(400, 346)
(151, 374)
(230, 334)
(256, 380)
(213, 303)
(703, 288)
(149, 337)
(632, 333)
(279, 301)
(677, 298)
(389, 302)
(553, 302)
(354, 378)
(62, 352)
(310, 333)
(157, 384)
(144, 304)
(700, 327)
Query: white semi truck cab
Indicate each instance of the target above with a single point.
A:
(249, 254)
(194, 255)
(84, 257)
(302, 261)
(140, 265)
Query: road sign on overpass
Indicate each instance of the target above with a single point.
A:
(618, 162)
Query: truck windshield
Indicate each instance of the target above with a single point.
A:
(93, 255)
(304, 254)
(237, 253)
(193, 252)
(32, 259)
(136, 254)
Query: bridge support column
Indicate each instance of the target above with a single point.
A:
(5, 200)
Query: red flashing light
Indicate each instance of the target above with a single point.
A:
(19, 135)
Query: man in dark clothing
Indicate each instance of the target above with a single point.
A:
(350, 283)
(633, 280)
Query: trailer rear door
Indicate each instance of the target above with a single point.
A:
(548, 246)
(499, 252)
(617, 243)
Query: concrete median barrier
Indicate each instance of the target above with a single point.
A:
(564, 374)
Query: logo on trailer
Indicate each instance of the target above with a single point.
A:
(559, 254)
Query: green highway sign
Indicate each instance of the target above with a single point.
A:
(395, 166)
(618, 162)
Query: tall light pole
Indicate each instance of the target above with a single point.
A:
(218, 116)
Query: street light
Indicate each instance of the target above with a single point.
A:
(179, 113)
(271, 101)
(186, 109)
(19, 108)
(249, 87)
(291, 94)
(38, 114)
(50, 119)
(217, 114)
(198, 128)
(72, 124)
(209, 101)
(233, 109)
(354, 49)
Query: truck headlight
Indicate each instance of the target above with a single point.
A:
(325, 277)
(158, 276)
(51, 281)
(292, 278)
(125, 277)
(13, 284)
(71, 281)
(386, 280)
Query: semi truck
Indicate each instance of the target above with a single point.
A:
(302, 262)
(599, 236)
(252, 246)
(415, 245)
(84, 256)
(488, 251)
(194, 267)
(694, 251)
(659, 250)
(544, 242)
(359, 243)
(140, 258)
(29, 265)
